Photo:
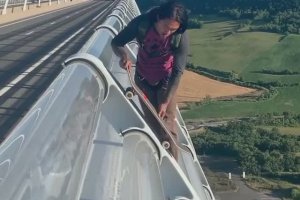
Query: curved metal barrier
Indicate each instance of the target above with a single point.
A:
(84, 139)
(45, 155)
(189, 163)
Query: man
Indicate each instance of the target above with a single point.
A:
(161, 58)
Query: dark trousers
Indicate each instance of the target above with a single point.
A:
(155, 95)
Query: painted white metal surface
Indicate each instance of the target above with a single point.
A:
(84, 140)
(126, 148)
(45, 155)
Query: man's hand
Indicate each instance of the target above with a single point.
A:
(163, 110)
(125, 63)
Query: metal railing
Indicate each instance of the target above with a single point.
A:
(108, 30)
(84, 139)
(5, 4)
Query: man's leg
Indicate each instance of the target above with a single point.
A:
(170, 121)
(148, 116)
(154, 96)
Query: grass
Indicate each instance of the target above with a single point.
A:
(283, 55)
(263, 184)
(219, 182)
(231, 53)
(286, 100)
(246, 53)
(284, 130)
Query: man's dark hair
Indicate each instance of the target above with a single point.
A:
(171, 10)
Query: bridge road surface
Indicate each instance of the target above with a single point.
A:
(31, 53)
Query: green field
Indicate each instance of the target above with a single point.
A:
(234, 52)
(283, 55)
(286, 100)
(216, 46)
(284, 130)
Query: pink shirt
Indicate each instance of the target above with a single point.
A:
(155, 58)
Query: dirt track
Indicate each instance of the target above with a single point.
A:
(194, 87)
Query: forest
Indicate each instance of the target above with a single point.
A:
(258, 151)
(278, 16)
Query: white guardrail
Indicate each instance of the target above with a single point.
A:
(84, 139)
(4, 4)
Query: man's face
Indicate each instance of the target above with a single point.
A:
(166, 27)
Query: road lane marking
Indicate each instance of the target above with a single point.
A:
(29, 33)
(101, 13)
(98, 15)
(23, 75)
(53, 22)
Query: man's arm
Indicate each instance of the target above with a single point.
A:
(180, 61)
(125, 36)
